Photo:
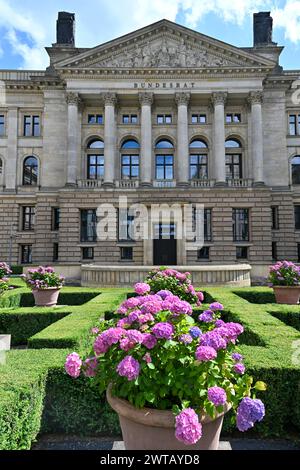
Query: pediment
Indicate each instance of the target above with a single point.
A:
(164, 45)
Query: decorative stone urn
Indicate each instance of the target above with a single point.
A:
(149, 429)
(46, 297)
(287, 294)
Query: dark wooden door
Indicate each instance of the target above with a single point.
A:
(165, 246)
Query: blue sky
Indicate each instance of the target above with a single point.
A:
(26, 27)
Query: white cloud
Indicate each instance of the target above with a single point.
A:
(98, 21)
(288, 18)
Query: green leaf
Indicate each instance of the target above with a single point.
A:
(151, 365)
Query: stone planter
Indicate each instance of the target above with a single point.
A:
(287, 294)
(149, 429)
(46, 297)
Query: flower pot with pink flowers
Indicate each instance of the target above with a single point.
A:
(5, 271)
(45, 284)
(170, 373)
(284, 277)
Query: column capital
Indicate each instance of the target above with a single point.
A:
(109, 98)
(73, 98)
(182, 98)
(146, 98)
(255, 97)
(219, 97)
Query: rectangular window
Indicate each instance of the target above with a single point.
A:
(233, 118)
(241, 252)
(125, 226)
(55, 252)
(240, 225)
(95, 119)
(275, 218)
(274, 251)
(293, 124)
(198, 167)
(129, 119)
(206, 222)
(297, 217)
(2, 125)
(164, 167)
(55, 219)
(130, 166)
(198, 118)
(32, 126)
(164, 119)
(26, 254)
(88, 225)
(95, 167)
(28, 218)
(126, 253)
(203, 253)
(233, 165)
(88, 252)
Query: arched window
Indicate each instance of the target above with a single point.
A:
(233, 159)
(130, 157)
(30, 171)
(95, 159)
(198, 159)
(164, 160)
(295, 162)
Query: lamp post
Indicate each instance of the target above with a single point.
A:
(12, 236)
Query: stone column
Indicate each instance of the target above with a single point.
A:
(218, 101)
(255, 101)
(12, 146)
(73, 101)
(182, 100)
(146, 100)
(110, 100)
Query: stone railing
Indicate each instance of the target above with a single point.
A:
(89, 184)
(203, 183)
(240, 183)
(93, 275)
(127, 184)
(20, 74)
(164, 183)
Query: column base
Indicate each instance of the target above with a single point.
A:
(108, 184)
(146, 184)
(220, 184)
(259, 184)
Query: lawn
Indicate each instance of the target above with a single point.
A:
(37, 396)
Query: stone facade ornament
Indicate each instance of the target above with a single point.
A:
(146, 98)
(73, 98)
(255, 97)
(182, 98)
(109, 98)
(219, 97)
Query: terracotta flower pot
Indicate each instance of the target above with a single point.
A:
(287, 294)
(46, 297)
(149, 429)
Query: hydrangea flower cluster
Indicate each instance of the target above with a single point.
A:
(156, 341)
(284, 273)
(43, 277)
(4, 272)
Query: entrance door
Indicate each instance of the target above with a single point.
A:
(165, 246)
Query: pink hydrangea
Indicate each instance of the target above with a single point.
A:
(163, 330)
(152, 306)
(90, 367)
(126, 344)
(95, 330)
(128, 367)
(200, 296)
(124, 323)
(213, 339)
(133, 316)
(216, 306)
(147, 358)
(187, 428)
(145, 318)
(181, 307)
(130, 303)
(141, 288)
(149, 341)
(205, 353)
(122, 310)
(73, 365)
(239, 368)
(107, 339)
(135, 336)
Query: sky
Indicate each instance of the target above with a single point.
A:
(27, 26)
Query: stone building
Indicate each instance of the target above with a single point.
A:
(161, 115)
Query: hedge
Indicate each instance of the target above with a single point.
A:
(271, 362)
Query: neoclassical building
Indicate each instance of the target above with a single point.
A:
(161, 115)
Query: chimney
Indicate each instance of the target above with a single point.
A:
(65, 29)
(262, 28)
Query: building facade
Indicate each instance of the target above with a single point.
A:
(161, 115)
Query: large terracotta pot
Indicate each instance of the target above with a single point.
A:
(149, 429)
(46, 297)
(287, 294)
